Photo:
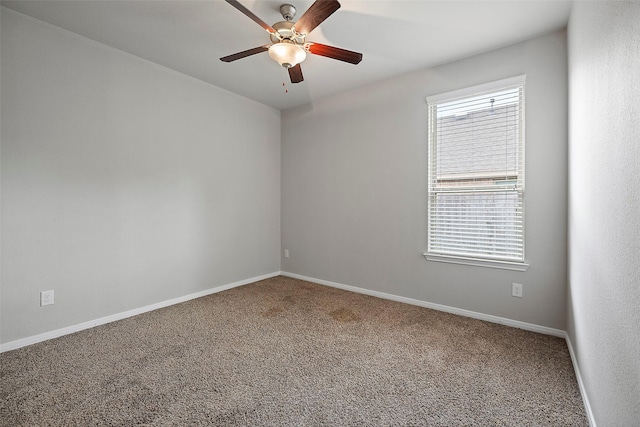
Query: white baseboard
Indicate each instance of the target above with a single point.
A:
(583, 391)
(467, 313)
(453, 310)
(129, 313)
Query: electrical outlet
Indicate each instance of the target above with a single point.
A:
(46, 298)
(286, 253)
(516, 290)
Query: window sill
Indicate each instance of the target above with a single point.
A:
(505, 265)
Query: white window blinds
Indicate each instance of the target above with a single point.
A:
(476, 172)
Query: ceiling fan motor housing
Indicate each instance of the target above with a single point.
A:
(284, 31)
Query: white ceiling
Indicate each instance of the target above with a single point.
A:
(394, 36)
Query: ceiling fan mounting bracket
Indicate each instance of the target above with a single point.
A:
(288, 12)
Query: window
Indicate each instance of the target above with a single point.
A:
(476, 175)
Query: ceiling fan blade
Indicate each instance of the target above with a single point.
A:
(295, 74)
(318, 12)
(244, 54)
(335, 53)
(241, 8)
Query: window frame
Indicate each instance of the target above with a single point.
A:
(466, 93)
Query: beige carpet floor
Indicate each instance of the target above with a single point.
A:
(284, 352)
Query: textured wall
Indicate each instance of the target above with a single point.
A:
(604, 206)
(124, 183)
(354, 187)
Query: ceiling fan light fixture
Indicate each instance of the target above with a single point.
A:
(287, 54)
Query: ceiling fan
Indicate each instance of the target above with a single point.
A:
(289, 46)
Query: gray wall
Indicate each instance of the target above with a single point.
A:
(124, 183)
(354, 185)
(604, 204)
